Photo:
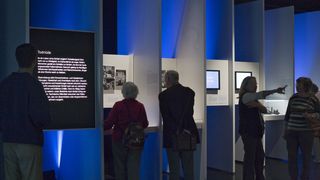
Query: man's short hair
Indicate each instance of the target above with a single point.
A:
(26, 55)
(172, 76)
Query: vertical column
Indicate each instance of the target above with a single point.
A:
(139, 33)
(219, 46)
(248, 32)
(279, 50)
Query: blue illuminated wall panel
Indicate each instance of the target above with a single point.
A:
(74, 154)
(172, 15)
(249, 31)
(307, 45)
(219, 29)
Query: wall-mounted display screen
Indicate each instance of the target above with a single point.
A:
(213, 79)
(65, 67)
(240, 75)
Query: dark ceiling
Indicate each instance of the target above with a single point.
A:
(300, 6)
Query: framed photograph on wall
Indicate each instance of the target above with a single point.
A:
(121, 76)
(109, 79)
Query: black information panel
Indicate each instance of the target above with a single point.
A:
(65, 68)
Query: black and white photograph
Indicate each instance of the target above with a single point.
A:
(120, 78)
(163, 72)
(108, 79)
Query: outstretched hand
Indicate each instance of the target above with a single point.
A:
(281, 90)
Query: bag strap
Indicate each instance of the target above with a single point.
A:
(180, 122)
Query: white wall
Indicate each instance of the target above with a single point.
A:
(279, 50)
(222, 96)
(146, 50)
(191, 54)
(122, 62)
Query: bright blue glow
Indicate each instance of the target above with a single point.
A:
(150, 158)
(81, 155)
(64, 14)
(248, 31)
(218, 29)
(74, 154)
(59, 146)
(125, 29)
(307, 45)
(50, 151)
(172, 16)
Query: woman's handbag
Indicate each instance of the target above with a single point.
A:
(184, 141)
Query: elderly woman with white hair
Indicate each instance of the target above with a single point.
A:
(124, 113)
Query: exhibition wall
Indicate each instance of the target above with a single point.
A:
(172, 15)
(279, 50)
(68, 151)
(139, 36)
(249, 31)
(219, 55)
(306, 45)
(191, 53)
(219, 31)
(279, 71)
(219, 97)
(14, 27)
(117, 69)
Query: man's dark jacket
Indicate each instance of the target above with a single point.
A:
(174, 101)
(24, 109)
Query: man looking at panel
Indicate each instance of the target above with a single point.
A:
(24, 112)
(180, 133)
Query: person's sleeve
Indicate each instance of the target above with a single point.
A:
(39, 107)
(143, 117)
(249, 97)
(192, 101)
(112, 117)
(163, 107)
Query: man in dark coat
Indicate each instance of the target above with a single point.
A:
(24, 113)
(176, 104)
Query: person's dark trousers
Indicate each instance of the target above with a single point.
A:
(253, 158)
(186, 158)
(126, 162)
(22, 161)
(304, 141)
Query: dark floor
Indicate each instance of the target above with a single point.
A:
(275, 170)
